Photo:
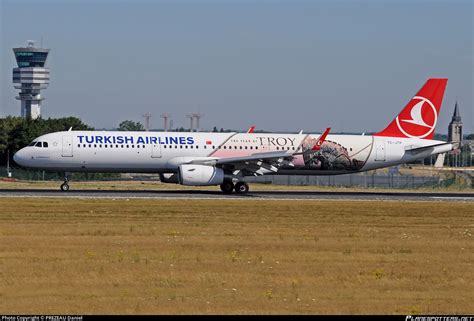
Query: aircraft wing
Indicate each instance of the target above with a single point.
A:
(254, 157)
(254, 164)
(259, 163)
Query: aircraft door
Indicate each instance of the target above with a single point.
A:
(67, 146)
(380, 150)
(155, 150)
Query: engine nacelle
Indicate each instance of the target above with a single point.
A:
(169, 178)
(200, 175)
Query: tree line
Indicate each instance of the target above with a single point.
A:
(18, 132)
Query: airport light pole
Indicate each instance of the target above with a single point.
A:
(198, 116)
(147, 117)
(9, 174)
(191, 118)
(165, 117)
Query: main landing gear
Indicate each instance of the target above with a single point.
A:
(65, 185)
(240, 188)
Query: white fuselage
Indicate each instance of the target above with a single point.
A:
(163, 152)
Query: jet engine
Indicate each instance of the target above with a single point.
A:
(200, 175)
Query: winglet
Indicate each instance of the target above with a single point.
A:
(70, 129)
(321, 139)
(251, 129)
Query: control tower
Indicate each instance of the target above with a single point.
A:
(30, 77)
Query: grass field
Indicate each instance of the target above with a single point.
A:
(83, 256)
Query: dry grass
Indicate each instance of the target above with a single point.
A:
(231, 257)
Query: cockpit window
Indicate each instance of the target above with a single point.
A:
(45, 144)
(32, 143)
(38, 144)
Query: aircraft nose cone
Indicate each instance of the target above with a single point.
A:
(19, 157)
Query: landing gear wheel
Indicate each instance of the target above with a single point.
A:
(241, 188)
(227, 187)
(64, 187)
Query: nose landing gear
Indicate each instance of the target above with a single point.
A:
(65, 185)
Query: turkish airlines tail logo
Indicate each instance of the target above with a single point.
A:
(419, 117)
(416, 116)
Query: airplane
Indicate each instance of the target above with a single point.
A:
(225, 159)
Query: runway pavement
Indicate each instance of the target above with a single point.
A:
(265, 195)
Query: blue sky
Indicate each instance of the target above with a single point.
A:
(282, 65)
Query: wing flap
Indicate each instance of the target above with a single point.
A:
(254, 157)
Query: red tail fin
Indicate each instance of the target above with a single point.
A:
(418, 118)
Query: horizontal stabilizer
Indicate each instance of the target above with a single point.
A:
(417, 149)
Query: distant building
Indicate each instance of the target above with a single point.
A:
(455, 128)
(463, 152)
(30, 77)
